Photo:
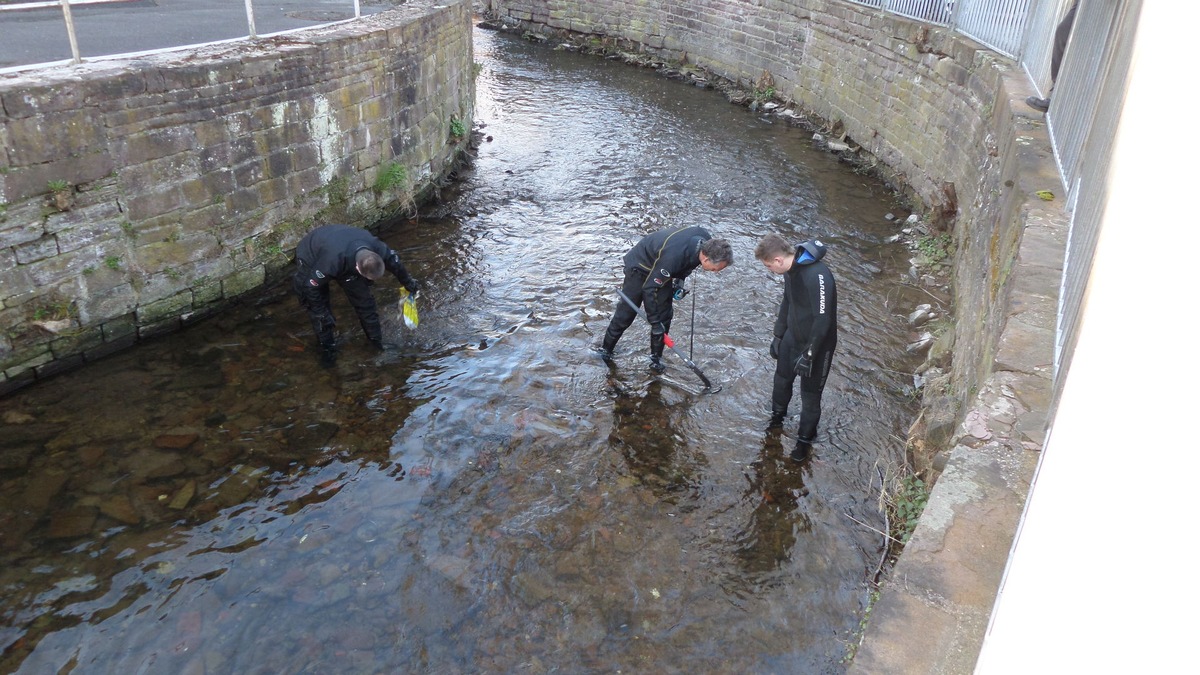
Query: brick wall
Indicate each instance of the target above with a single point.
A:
(139, 195)
(926, 103)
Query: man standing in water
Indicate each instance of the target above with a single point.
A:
(354, 258)
(805, 332)
(654, 272)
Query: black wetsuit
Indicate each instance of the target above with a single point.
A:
(806, 324)
(328, 254)
(654, 268)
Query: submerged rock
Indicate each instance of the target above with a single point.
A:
(120, 508)
(175, 441)
(184, 496)
(71, 523)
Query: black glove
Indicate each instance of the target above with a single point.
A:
(412, 285)
(775, 347)
(803, 365)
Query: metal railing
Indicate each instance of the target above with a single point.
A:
(30, 37)
(1086, 102)
(1085, 108)
(996, 24)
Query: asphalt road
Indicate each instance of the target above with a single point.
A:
(31, 36)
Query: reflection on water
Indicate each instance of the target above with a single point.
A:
(487, 496)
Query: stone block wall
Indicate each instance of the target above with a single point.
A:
(918, 98)
(138, 195)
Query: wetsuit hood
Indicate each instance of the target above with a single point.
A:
(810, 251)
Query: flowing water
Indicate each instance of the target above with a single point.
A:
(487, 496)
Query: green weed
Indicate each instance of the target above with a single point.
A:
(906, 505)
(112, 262)
(54, 311)
(862, 628)
(394, 176)
(935, 248)
(338, 190)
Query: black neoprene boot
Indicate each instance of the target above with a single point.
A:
(778, 415)
(810, 415)
(605, 349)
(657, 343)
(374, 332)
(802, 451)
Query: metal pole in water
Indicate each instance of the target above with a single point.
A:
(692, 330)
(670, 344)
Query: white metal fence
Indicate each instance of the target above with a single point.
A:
(1085, 106)
(38, 34)
(70, 21)
(997, 24)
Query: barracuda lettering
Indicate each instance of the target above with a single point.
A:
(821, 285)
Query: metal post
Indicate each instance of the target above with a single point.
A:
(250, 18)
(66, 7)
(357, 12)
(692, 331)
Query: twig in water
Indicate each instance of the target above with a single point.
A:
(873, 529)
(887, 523)
(926, 292)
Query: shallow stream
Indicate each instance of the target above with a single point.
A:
(487, 496)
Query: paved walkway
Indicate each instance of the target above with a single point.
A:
(39, 35)
(933, 613)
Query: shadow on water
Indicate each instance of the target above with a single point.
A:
(487, 495)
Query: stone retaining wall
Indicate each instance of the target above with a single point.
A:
(918, 99)
(139, 195)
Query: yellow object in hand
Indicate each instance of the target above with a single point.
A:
(408, 309)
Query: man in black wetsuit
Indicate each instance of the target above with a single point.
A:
(354, 258)
(805, 332)
(654, 271)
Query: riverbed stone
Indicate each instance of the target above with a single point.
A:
(16, 417)
(120, 508)
(183, 496)
(71, 523)
(176, 440)
(19, 442)
(302, 437)
(153, 465)
(42, 487)
(531, 589)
